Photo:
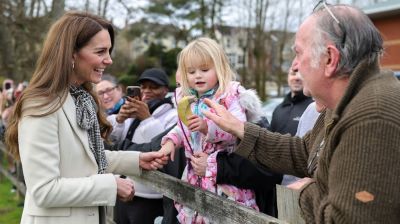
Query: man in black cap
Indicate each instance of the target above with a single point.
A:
(139, 121)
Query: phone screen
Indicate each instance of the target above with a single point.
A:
(7, 86)
(133, 91)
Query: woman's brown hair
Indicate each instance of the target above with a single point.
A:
(52, 77)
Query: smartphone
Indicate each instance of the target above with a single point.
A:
(133, 91)
(7, 85)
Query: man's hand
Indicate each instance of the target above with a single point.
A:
(224, 119)
(125, 189)
(297, 185)
(152, 160)
(196, 123)
(133, 108)
(139, 109)
(199, 163)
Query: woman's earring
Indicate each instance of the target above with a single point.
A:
(73, 65)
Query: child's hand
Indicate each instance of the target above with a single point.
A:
(196, 123)
(168, 149)
(199, 163)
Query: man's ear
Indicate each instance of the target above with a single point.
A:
(332, 62)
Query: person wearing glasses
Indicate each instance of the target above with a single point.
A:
(110, 94)
(352, 154)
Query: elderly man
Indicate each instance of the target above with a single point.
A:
(139, 120)
(352, 154)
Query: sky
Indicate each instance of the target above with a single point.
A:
(235, 13)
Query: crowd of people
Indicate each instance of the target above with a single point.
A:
(9, 93)
(82, 140)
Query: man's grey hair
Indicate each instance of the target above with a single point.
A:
(355, 37)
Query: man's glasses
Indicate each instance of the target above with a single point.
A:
(106, 91)
(323, 5)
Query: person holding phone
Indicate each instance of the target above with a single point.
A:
(143, 116)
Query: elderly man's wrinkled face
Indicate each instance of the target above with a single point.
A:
(311, 75)
(109, 94)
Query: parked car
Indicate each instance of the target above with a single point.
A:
(397, 74)
(270, 105)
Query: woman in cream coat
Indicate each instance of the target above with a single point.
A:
(57, 129)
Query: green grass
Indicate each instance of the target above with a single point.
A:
(10, 212)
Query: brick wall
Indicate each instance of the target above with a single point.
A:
(390, 30)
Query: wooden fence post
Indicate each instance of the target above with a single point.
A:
(288, 205)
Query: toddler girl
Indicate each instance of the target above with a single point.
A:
(206, 73)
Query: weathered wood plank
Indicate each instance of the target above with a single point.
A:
(218, 209)
(288, 205)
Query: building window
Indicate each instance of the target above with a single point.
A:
(240, 59)
(232, 59)
(241, 43)
(228, 42)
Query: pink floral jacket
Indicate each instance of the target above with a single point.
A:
(216, 140)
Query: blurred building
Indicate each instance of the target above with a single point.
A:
(386, 17)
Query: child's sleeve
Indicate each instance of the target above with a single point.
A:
(212, 167)
(215, 133)
(175, 135)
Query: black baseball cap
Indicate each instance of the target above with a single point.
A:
(155, 75)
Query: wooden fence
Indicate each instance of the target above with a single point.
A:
(218, 209)
(16, 180)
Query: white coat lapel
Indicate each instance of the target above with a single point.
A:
(70, 112)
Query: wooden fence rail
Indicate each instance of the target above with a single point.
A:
(218, 209)
(15, 180)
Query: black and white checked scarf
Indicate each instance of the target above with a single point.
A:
(87, 119)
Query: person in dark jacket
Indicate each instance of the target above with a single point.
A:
(286, 115)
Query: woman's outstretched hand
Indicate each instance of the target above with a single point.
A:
(152, 160)
(224, 119)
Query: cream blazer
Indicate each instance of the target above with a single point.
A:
(60, 170)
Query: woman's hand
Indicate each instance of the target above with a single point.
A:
(224, 119)
(152, 160)
(125, 189)
(123, 113)
(199, 163)
(196, 123)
